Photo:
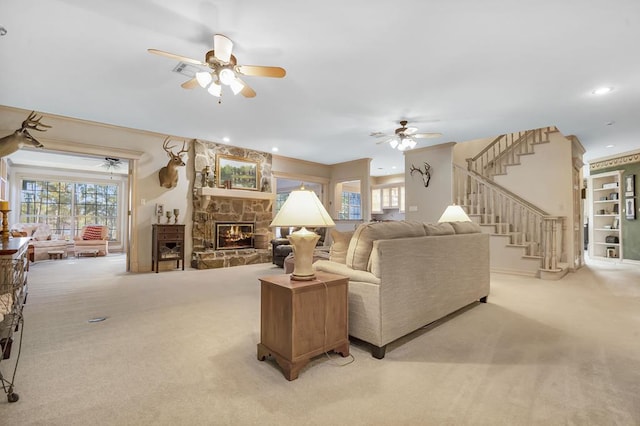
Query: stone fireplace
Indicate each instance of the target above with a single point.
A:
(228, 224)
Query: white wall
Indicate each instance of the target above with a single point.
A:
(544, 178)
(357, 170)
(426, 204)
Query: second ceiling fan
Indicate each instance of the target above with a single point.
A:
(403, 137)
(223, 69)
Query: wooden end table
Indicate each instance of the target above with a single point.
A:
(302, 319)
(55, 254)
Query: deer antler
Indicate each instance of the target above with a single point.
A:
(426, 174)
(167, 148)
(32, 123)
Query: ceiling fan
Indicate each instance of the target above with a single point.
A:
(404, 136)
(222, 69)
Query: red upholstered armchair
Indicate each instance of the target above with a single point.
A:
(92, 239)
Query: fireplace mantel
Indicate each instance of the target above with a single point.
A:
(206, 194)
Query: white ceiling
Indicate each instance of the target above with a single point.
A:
(466, 68)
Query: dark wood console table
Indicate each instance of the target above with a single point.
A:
(168, 245)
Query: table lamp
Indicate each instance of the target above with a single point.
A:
(454, 213)
(301, 209)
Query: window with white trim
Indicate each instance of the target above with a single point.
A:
(68, 206)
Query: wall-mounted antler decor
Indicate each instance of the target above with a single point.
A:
(16, 140)
(426, 173)
(168, 175)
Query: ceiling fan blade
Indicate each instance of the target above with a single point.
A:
(190, 84)
(379, 134)
(410, 130)
(222, 47)
(247, 91)
(262, 71)
(176, 57)
(386, 140)
(426, 135)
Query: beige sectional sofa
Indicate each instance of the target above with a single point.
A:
(42, 239)
(404, 275)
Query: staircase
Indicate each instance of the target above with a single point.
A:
(525, 239)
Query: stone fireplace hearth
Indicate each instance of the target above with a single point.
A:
(243, 216)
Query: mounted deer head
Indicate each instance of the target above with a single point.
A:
(13, 142)
(426, 173)
(169, 174)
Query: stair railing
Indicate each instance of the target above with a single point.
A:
(505, 150)
(541, 234)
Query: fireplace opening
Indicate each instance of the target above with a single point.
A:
(234, 235)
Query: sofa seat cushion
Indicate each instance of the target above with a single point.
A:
(41, 249)
(361, 244)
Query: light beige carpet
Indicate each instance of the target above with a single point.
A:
(179, 348)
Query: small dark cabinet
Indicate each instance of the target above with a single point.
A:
(168, 245)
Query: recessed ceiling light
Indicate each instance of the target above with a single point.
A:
(610, 123)
(602, 90)
(274, 149)
(610, 146)
(394, 167)
(226, 140)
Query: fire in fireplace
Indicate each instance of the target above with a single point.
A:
(234, 235)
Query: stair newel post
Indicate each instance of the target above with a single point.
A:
(547, 244)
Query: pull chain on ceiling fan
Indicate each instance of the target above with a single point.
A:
(404, 136)
(223, 69)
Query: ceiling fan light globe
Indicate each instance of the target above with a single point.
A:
(393, 143)
(411, 143)
(204, 78)
(226, 76)
(236, 86)
(215, 89)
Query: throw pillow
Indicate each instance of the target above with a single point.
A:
(339, 245)
(466, 227)
(92, 233)
(42, 233)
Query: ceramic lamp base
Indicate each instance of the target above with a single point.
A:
(304, 243)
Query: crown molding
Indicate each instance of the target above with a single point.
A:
(615, 161)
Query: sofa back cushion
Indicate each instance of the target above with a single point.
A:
(361, 244)
(339, 245)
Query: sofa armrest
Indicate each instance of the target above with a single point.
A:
(344, 270)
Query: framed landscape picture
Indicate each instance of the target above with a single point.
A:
(237, 173)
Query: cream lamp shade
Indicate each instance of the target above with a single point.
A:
(454, 213)
(301, 209)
